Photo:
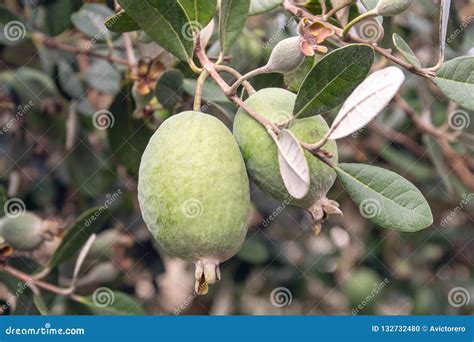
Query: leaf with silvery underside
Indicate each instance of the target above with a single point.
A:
(121, 22)
(294, 167)
(332, 79)
(405, 50)
(199, 11)
(443, 26)
(90, 21)
(456, 81)
(387, 199)
(262, 6)
(164, 21)
(367, 101)
(232, 19)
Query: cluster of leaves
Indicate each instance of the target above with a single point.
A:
(69, 67)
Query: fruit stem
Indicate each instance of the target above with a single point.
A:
(253, 73)
(362, 17)
(207, 272)
(198, 94)
(246, 84)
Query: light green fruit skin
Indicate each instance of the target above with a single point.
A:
(286, 56)
(193, 188)
(361, 284)
(23, 233)
(261, 154)
(392, 7)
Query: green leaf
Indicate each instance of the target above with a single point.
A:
(198, 11)
(385, 197)
(128, 136)
(165, 22)
(210, 91)
(232, 18)
(40, 304)
(254, 251)
(333, 79)
(58, 14)
(90, 21)
(169, 88)
(121, 22)
(106, 302)
(262, 6)
(456, 81)
(77, 234)
(103, 76)
(406, 51)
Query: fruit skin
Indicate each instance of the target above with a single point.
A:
(193, 191)
(23, 233)
(392, 7)
(286, 56)
(261, 154)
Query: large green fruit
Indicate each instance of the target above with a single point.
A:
(261, 154)
(23, 233)
(194, 193)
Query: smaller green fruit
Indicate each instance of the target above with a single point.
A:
(389, 8)
(286, 56)
(23, 233)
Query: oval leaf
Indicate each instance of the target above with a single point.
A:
(294, 167)
(121, 22)
(198, 11)
(77, 235)
(165, 22)
(332, 79)
(367, 101)
(90, 21)
(385, 197)
(443, 26)
(262, 6)
(456, 81)
(232, 18)
(106, 302)
(405, 50)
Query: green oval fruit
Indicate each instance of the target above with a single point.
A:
(194, 193)
(392, 7)
(362, 289)
(261, 154)
(286, 56)
(23, 233)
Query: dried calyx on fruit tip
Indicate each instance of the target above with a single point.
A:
(392, 7)
(261, 154)
(194, 192)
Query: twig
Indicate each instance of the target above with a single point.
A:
(337, 9)
(199, 86)
(246, 84)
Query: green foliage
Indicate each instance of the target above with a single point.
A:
(200, 12)
(232, 19)
(405, 50)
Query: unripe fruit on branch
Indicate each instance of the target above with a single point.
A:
(23, 233)
(261, 154)
(392, 7)
(193, 192)
(286, 57)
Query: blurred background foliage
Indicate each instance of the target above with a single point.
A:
(60, 162)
